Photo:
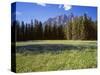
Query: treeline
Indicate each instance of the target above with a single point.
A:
(76, 28)
(81, 28)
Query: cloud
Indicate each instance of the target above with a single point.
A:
(67, 7)
(18, 13)
(42, 4)
(60, 6)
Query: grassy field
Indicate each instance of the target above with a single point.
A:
(46, 55)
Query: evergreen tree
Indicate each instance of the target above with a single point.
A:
(76, 28)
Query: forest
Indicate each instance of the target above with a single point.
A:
(76, 28)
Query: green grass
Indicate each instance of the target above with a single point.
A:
(72, 42)
(55, 55)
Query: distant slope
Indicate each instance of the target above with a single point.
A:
(58, 20)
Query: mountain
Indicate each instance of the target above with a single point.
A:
(58, 20)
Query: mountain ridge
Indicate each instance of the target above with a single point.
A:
(59, 20)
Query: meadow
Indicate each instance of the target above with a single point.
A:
(54, 55)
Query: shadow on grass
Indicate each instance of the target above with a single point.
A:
(41, 48)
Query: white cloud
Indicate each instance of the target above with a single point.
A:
(42, 4)
(60, 6)
(67, 7)
(18, 13)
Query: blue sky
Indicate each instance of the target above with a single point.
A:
(27, 11)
